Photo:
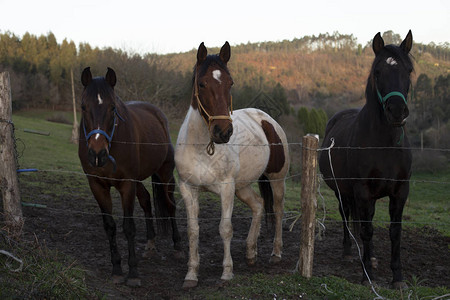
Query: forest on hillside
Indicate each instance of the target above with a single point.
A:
(317, 74)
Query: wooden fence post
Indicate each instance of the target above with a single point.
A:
(75, 126)
(308, 204)
(9, 183)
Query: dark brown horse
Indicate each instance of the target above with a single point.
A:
(121, 144)
(371, 157)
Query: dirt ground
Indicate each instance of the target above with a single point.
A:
(71, 224)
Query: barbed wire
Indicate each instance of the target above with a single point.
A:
(295, 175)
(322, 221)
(278, 144)
(289, 215)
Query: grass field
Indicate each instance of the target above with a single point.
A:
(428, 205)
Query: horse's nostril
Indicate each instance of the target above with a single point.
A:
(230, 131)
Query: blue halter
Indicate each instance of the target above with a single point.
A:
(106, 135)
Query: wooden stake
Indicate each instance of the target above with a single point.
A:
(75, 126)
(308, 205)
(9, 183)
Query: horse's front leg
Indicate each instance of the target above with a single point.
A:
(395, 232)
(190, 197)
(367, 211)
(102, 194)
(226, 227)
(128, 193)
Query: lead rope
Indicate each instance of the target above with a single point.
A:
(210, 148)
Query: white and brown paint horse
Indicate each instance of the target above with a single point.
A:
(225, 153)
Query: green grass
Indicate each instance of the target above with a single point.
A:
(45, 274)
(263, 286)
(53, 152)
(427, 205)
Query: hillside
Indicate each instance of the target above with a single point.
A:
(326, 72)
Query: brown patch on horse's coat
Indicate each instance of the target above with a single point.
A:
(276, 158)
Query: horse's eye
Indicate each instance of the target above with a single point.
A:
(202, 85)
(83, 107)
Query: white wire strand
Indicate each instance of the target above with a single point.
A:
(346, 223)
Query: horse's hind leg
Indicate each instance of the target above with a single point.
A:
(165, 189)
(255, 202)
(278, 189)
(103, 197)
(344, 210)
(144, 200)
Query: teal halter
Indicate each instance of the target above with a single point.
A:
(391, 94)
(383, 102)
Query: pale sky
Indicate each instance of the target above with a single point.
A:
(167, 26)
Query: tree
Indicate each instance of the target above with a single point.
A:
(423, 94)
(390, 37)
(442, 95)
(279, 95)
(303, 115)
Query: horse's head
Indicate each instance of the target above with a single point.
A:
(212, 92)
(390, 78)
(99, 115)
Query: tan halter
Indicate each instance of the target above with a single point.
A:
(210, 148)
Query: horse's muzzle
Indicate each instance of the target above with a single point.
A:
(396, 114)
(220, 136)
(98, 159)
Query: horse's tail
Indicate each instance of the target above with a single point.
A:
(267, 194)
(161, 207)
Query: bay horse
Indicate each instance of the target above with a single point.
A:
(371, 156)
(224, 152)
(121, 144)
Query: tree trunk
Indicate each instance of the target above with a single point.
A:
(75, 127)
(9, 183)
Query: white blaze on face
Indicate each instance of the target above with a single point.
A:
(391, 61)
(216, 75)
(98, 134)
(100, 100)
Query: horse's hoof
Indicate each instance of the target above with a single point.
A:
(118, 279)
(227, 277)
(399, 285)
(251, 261)
(189, 284)
(274, 260)
(374, 262)
(179, 255)
(134, 282)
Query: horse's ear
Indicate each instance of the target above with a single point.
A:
(406, 45)
(86, 76)
(378, 43)
(225, 53)
(111, 77)
(201, 53)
